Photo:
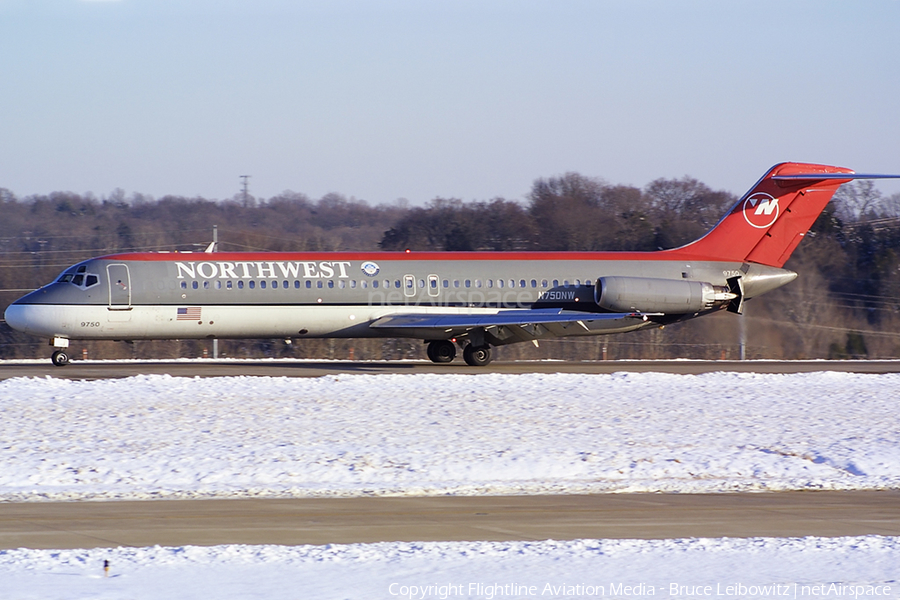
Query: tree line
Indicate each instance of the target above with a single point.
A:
(845, 303)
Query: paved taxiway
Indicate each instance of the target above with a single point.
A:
(303, 368)
(444, 518)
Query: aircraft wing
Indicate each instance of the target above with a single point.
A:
(458, 323)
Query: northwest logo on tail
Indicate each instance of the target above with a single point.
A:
(761, 210)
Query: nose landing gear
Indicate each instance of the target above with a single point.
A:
(60, 358)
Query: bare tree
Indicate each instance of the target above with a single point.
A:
(858, 200)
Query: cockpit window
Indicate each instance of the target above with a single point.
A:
(78, 276)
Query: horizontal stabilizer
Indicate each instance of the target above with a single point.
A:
(826, 176)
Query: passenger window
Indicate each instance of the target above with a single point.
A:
(319, 284)
(364, 283)
(499, 283)
(352, 283)
(468, 283)
(543, 283)
(565, 283)
(456, 283)
(262, 284)
(555, 283)
(228, 285)
(240, 285)
(422, 283)
(195, 285)
(252, 284)
(446, 283)
(330, 283)
(218, 284)
(374, 283)
(308, 284)
(533, 283)
(478, 283)
(522, 283)
(490, 283)
(296, 284)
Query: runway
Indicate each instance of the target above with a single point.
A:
(489, 518)
(302, 368)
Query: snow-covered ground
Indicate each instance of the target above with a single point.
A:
(159, 436)
(850, 567)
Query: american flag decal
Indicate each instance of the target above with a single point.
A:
(191, 313)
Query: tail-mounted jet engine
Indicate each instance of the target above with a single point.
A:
(670, 296)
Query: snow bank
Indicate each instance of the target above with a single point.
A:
(160, 436)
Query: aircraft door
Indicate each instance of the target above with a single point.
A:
(119, 287)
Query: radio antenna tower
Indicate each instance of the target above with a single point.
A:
(245, 188)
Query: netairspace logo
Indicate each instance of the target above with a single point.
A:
(779, 590)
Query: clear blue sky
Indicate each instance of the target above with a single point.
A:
(416, 99)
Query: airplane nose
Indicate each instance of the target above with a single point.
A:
(16, 317)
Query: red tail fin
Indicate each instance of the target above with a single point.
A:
(770, 220)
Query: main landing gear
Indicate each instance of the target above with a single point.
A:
(443, 351)
(477, 356)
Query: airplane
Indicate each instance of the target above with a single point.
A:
(471, 300)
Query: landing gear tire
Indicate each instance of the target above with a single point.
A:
(477, 356)
(60, 358)
(441, 351)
